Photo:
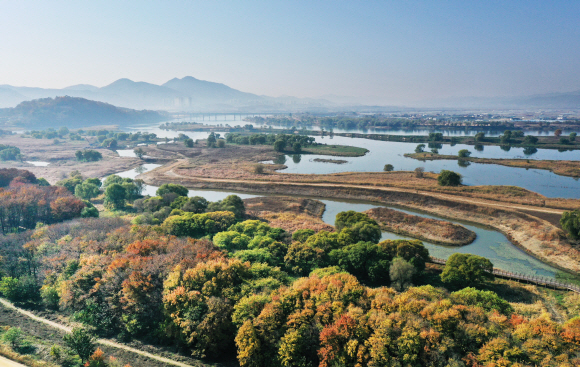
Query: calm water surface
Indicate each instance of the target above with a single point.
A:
(489, 243)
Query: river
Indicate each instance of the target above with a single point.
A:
(489, 243)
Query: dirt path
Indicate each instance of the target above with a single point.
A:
(168, 171)
(5, 362)
(107, 342)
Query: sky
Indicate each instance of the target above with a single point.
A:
(388, 51)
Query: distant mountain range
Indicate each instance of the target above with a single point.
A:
(186, 94)
(189, 94)
(72, 112)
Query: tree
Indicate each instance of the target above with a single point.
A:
(401, 273)
(573, 136)
(558, 132)
(388, 168)
(570, 222)
(420, 148)
(174, 188)
(297, 147)
(463, 270)
(448, 178)
(115, 196)
(139, 152)
(13, 336)
(279, 145)
(87, 191)
(463, 153)
(188, 143)
(82, 342)
(211, 140)
(480, 136)
(221, 143)
(530, 139)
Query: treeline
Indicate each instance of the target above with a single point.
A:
(26, 201)
(218, 284)
(236, 290)
(106, 138)
(280, 142)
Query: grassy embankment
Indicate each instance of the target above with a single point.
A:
(425, 229)
(562, 168)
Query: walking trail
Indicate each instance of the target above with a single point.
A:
(108, 342)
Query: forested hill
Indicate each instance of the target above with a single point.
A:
(73, 112)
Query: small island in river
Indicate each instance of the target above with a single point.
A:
(426, 229)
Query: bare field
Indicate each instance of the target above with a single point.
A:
(289, 213)
(62, 159)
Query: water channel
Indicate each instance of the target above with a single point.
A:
(489, 243)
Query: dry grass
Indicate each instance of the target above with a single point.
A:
(562, 168)
(237, 162)
(62, 159)
(427, 229)
(289, 213)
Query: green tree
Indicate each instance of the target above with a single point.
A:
(221, 143)
(463, 270)
(420, 148)
(87, 191)
(401, 273)
(139, 152)
(14, 337)
(211, 140)
(388, 168)
(188, 143)
(174, 188)
(297, 147)
(82, 342)
(570, 222)
(115, 196)
(463, 153)
(448, 178)
(279, 145)
(573, 136)
(480, 136)
(530, 139)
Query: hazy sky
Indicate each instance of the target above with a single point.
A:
(398, 51)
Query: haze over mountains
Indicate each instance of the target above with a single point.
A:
(189, 94)
(186, 94)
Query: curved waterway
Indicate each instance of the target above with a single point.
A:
(489, 243)
(381, 152)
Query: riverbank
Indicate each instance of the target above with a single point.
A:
(534, 235)
(425, 229)
(562, 168)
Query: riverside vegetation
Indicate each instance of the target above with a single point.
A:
(213, 280)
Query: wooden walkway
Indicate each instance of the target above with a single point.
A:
(537, 280)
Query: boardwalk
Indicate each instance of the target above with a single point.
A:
(541, 281)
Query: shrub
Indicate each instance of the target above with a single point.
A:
(463, 153)
(259, 169)
(13, 336)
(388, 168)
(449, 178)
(419, 172)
